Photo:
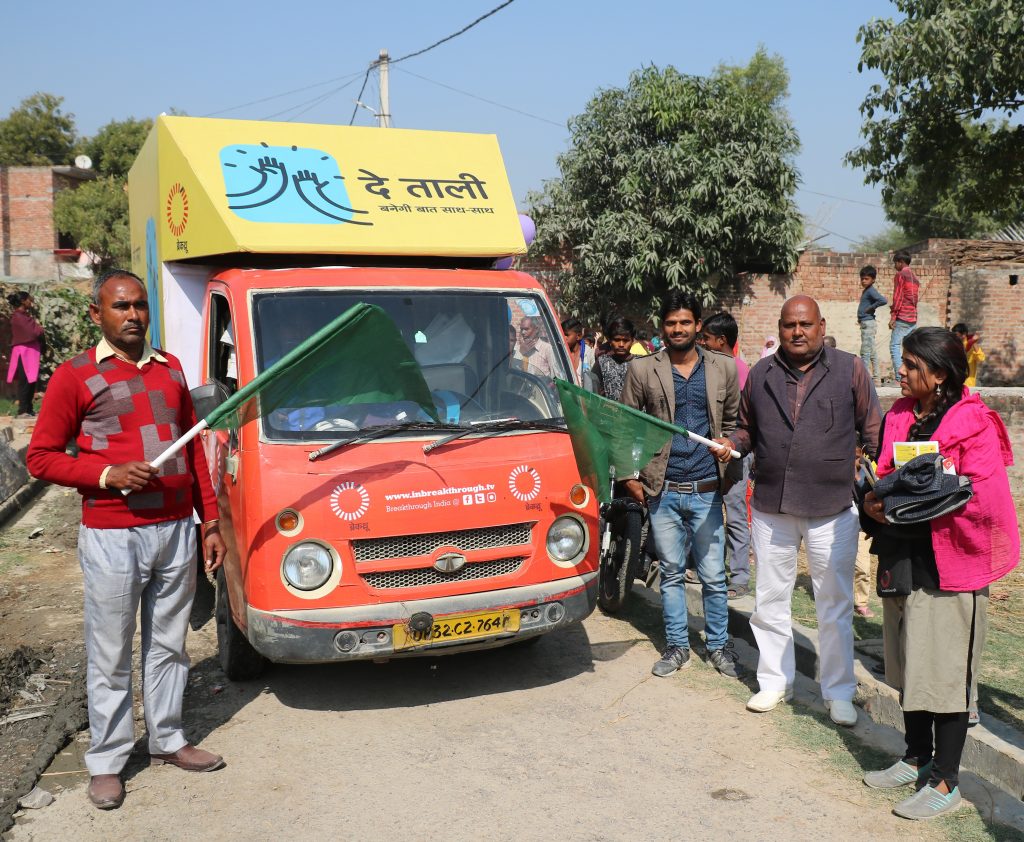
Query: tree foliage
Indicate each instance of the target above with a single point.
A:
(96, 215)
(672, 182)
(37, 133)
(890, 238)
(114, 147)
(937, 137)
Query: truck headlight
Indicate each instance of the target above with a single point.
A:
(307, 566)
(565, 540)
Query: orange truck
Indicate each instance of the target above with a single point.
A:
(368, 530)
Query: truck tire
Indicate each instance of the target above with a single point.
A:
(622, 561)
(238, 659)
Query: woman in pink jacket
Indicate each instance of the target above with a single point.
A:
(934, 635)
(26, 350)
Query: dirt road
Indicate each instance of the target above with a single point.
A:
(571, 739)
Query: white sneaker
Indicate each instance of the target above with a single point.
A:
(767, 700)
(842, 713)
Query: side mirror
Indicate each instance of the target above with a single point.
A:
(208, 397)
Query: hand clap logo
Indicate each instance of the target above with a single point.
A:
(286, 184)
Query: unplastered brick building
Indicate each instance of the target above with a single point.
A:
(31, 248)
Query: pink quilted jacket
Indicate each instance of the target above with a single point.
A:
(981, 542)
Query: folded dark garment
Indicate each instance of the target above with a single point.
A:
(919, 491)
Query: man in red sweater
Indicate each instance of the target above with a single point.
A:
(123, 403)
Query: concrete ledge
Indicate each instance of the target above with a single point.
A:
(21, 494)
(15, 504)
(994, 750)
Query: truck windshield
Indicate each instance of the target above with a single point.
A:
(485, 356)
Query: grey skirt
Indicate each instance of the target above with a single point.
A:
(933, 645)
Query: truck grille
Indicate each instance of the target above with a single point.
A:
(420, 576)
(405, 546)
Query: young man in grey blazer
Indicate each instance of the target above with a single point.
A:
(682, 485)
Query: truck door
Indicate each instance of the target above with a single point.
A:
(222, 447)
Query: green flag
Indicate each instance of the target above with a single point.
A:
(360, 357)
(605, 433)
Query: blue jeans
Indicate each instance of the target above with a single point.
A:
(679, 522)
(900, 330)
(868, 329)
(737, 528)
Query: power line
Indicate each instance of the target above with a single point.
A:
(483, 99)
(355, 75)
(835, 233)
(306, 104)
(359, 98)
(317, 102)
(454, 34)
(876, 205)
(286, 93)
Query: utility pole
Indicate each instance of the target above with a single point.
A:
(384, 114)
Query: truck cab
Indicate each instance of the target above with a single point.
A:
(371, 529)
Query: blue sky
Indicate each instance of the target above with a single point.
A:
(116, 59)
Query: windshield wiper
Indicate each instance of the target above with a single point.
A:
(378, 433)
(504, 425)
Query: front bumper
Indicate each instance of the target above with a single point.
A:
(310, 636)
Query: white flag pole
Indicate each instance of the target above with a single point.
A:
(174, 448)
(714, 444)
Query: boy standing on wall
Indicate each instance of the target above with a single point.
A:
(870, 300)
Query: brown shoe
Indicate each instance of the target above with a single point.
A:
(189, 758)
(106, 792)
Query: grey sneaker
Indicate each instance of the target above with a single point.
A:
(928, 803)
(724, 660)
(899, 774)
(672, 659)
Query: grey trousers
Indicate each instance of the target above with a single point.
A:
(737, 529)
(153, 567)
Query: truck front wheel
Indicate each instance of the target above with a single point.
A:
(238, 659)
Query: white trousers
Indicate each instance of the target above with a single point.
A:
(831, 545)
(153, 567)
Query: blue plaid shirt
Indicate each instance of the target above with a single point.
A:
(690, 461)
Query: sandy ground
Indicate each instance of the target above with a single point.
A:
(571, 739)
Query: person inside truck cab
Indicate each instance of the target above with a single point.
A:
(534, 354)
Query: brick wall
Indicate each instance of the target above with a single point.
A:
(961, 280)
(27, 232)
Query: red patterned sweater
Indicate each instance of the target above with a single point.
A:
(117, 412)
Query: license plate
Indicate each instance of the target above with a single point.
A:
(462, 627)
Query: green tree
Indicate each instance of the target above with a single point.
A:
(673, 182)
(764, 76)
(890, 238)
(114, 147)
(96, 216)
(37, 133)
(937, 137)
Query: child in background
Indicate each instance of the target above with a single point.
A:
(870, 300)
(975, 356)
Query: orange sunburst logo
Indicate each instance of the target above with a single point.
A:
(177, 209)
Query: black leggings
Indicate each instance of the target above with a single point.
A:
(25, 390)
(950, 735)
